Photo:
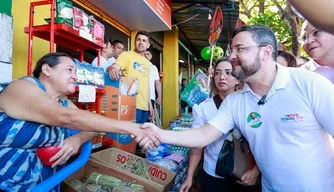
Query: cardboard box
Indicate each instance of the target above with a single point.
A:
(162, 178)
(99, 167)
(119, 102)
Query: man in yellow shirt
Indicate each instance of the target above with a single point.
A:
(134, 64)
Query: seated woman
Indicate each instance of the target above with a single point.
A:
(34, 113)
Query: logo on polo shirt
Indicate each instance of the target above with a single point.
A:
(293, 117)
(254, 120)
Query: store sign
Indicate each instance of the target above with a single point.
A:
(163, 9)
(87, 93)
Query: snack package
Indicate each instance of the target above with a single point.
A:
(80, 73)
(91, 24)
(98, 31)
(85, 20)
(99, 77)
(89, 74)
(77, 18)
(196, 90)
(64, 12)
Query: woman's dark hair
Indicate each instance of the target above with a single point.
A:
(291, 60)
(52, 59)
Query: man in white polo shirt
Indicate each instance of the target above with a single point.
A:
(106, 53)
(286, 114)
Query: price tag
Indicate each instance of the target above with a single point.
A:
(87, 93)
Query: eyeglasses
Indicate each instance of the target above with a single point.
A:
(243, 49)
(315, 33)
(227, 74)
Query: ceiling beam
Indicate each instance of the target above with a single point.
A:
(185, 7)
(192, 47)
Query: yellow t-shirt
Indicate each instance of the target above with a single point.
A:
(135, 65)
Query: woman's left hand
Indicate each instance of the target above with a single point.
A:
(70, 147)
(250, 177)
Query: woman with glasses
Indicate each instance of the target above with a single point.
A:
(222, 85)
(319, 45)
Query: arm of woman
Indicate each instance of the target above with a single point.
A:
(196, 154)
(24, 100)
(194, 159)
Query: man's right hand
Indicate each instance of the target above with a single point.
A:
(152, 136)
(114, 73)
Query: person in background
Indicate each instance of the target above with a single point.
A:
(35, 113)
(155, 85)
(301, 60)
(106, 53)
(183, 103)
(319, 45)
(117, 50)
(222, 84)
(286, 59)
(289, 136)
(134, 64)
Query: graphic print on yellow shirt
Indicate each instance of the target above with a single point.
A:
(135, 65)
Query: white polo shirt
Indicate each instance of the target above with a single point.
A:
(154, 75)
(202, 113)
(111, 60)
(288, 135)
(103, 63)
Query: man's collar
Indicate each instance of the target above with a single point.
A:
(281, 81)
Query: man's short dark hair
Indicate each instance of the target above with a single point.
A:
(262, 35)
(115, 42)
(106, 42)
(145, 33)
(52, 59)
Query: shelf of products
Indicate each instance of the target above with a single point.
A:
(65, 36)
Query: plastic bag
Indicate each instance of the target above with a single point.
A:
(99, 77)
(77, 18)
(168, 164)
(81, 78)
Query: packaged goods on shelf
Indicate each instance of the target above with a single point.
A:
(64, 12)
(98, 30)
(89, 75)
(77, 18)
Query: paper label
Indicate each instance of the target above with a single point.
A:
(87, 93)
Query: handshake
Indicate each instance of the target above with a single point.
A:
(148, 136)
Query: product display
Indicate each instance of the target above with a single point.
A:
(89, 75)
(196, 90)
(110, 181)
(138, 167)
